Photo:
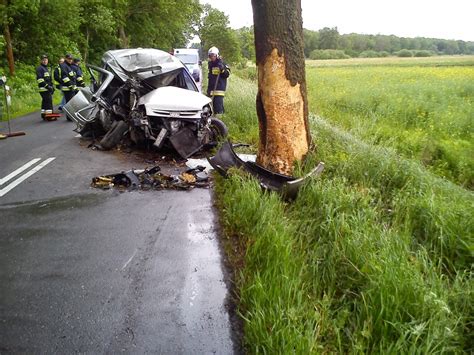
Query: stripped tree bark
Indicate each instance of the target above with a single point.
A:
(282, 106)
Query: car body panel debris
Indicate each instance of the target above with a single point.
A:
(153, 179)
(147, 97)
(286, 186)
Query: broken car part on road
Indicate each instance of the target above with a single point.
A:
(145, 96)
(286, 186)
(153, 179)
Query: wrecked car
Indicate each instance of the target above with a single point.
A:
(145, 97)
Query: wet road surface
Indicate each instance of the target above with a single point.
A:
(86, 270)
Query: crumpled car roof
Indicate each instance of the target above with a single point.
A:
(145, 62)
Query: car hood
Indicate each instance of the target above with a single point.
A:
(171, 98)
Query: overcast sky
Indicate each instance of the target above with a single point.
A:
(453, 19)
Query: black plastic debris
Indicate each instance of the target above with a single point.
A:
(153, 179)
(286, 186)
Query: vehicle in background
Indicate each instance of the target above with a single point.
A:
(190, 58)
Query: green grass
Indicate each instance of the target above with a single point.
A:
(374, 256)
(424, 112)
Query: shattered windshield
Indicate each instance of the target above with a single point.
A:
(137, 61)
(147, 61)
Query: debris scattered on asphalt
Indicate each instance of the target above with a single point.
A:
(153, 179)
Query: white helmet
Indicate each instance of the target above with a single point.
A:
(213, 50)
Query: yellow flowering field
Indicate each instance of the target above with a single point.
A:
(423, 108)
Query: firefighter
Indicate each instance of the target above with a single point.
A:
(218, 72)
(76, 67)
(57, 82)
(45, 87)
(68, 78)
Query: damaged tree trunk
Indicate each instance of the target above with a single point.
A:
(9, 48)
(282, 106)
(124, 40)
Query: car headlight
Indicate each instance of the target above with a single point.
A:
(206, 112)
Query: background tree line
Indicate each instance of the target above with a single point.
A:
(328, 40)
(87, 28)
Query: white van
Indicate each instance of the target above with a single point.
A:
(190, 58)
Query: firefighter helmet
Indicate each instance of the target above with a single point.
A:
(213, 50)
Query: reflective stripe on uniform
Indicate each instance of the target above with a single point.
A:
(215, 71)
(66, 80)
(217, 93)
(40, 80)
(41, 89)
(46, 74)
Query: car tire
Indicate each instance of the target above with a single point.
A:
(218, 130)
(114, 135)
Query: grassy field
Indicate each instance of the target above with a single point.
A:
(374, 256)
(422, 108)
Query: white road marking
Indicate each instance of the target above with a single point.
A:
(128, 262)
(22, 178)
(18, 171)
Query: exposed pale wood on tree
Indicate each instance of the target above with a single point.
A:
(285, 138)
(282, 106)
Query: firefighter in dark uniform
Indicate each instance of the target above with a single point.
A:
(68, 78)
(78, 73)
(57, 82)
(217, 79)
(45, 86)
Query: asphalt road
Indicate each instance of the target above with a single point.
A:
(87, 270)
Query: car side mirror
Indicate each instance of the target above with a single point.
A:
(200, 62)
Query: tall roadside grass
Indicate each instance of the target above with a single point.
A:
(240, 103)
(374, 256)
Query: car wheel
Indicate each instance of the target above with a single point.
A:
(114, 135)
(218, 130)
(92, 130)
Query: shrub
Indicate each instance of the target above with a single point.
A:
(328, 54)
(242, 64)
(423, 53)
(405, 53)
